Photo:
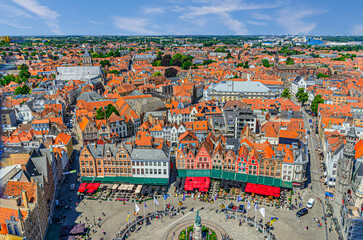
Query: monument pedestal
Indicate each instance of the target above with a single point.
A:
(197, 234)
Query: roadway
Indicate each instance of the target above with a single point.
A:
(315, 172)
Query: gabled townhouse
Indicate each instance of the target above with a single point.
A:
(203, 158)
(298, 82)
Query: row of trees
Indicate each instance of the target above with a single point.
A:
(303, 97)
(22, 90)
(179, 60)
(23, 76)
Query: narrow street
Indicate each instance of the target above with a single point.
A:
(314, 159)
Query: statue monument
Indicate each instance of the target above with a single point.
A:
(197, 234)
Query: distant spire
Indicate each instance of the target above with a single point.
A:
(277, 56)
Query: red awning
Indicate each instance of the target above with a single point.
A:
(91, 187)
(82, 187)
(200, 183)
(262, 190)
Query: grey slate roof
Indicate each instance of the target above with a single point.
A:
(78, 72)
(240, 86)
(90, 96)
(149, 154)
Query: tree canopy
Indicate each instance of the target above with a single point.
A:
(22, 90)
(171, 72)
(289, 61)
(302, 96)
(157, 73)
(104, 63)
(315, 103)
(286, 93)
(265, 63)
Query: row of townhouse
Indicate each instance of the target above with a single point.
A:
(119, 160)
(287, 162)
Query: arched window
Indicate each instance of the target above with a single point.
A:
(16, 230)
(10, 229)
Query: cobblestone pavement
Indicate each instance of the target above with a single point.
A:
(287, 227)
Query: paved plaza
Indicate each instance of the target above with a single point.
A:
(287, 227)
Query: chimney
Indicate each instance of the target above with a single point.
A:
(25, 199)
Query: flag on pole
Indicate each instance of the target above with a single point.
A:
(256, 207)
(128, 215)
(156, 201)
(262, 211)
(239, 198)
(145, 205)
(274, 219)
(184, 197)
(137, 209)
(166, 196)
(248, 204)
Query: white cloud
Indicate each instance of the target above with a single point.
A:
(257, 23)
(357, 30)
(95, 22)
(223, 10)
(49, 16)
(12, 24)
(259, 16)
(11, 11)
(293, 19)
(133, 25)
(156, 10)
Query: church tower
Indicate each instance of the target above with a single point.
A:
(87, 59)
(276, 57)
(345, 169)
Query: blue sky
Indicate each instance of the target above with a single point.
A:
(176, 17)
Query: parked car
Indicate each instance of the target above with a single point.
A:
(302, 212)
(310, 203)
(72, 187)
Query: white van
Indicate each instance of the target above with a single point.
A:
(310, 203)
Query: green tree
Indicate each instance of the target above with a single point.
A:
(24, 75)
(111, 109)
(265, 63)
(7, 79)
(207, 62)
(299, 92)
(165, 60)
(115, 72)
(22, 90)
(286, 93)
(246, 65)
(23, 67)
(156, 74)
(186, 65)
(171, 72)
(104, 63)
(176, 62)
(303, 98)
(289, 61)
(315, 103)
(322, 75)
(157, 63)
(100, 114)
